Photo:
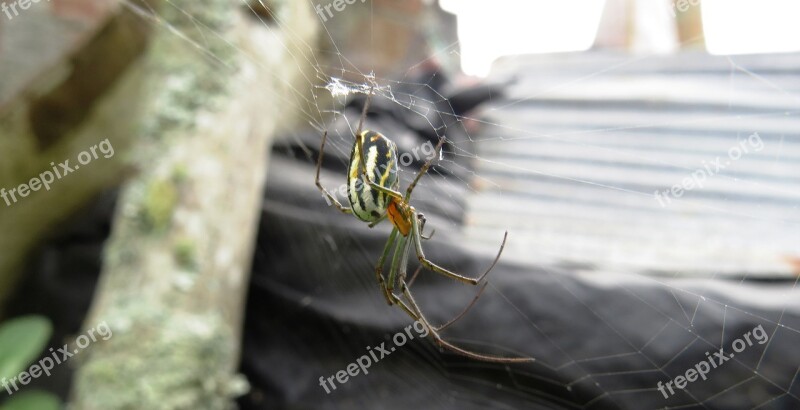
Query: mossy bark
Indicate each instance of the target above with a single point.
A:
(176, 267)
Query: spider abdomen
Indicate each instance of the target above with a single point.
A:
(380, 155)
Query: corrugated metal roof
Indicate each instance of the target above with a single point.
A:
(573, 154)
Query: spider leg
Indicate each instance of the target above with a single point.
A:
(399, 262)
(463, 312)
(414, 276)
(422, 221)
(379, 266)
(424, 169)
(415, 313)
(325, 192)
(388, 191)
(398, 273)
(415, 232)
(364, 112)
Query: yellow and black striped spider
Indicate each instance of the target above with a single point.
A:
(373, 195)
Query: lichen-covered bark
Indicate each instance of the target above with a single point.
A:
(176, 267)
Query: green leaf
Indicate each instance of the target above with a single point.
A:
(21, 342)
(33, 400)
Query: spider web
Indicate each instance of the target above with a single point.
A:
(572, 180)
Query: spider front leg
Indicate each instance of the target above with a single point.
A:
(415, 232)
(424, 169)
(325, 192)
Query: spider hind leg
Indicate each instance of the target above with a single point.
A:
(412, 309)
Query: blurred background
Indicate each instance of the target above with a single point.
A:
(163, 244)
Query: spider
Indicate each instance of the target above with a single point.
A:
(374, 196)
